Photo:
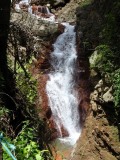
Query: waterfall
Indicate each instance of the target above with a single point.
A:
(47, 10)
(60, 86)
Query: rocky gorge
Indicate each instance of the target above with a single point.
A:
(99, 139)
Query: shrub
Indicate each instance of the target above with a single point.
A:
(103, 59)
(116, 83)
(26, 146)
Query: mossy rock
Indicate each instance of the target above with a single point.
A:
(95, 59)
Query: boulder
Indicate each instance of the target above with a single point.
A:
(39, 27)
(108, 97)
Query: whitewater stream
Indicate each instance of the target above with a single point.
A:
(46, 9)
(60, 86)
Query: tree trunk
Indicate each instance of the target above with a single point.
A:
(4, 27)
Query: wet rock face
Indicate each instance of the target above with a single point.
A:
(37, 2)
(53, 3)
(88, 20)
(83, 87)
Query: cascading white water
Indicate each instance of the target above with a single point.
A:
(60, 87)
(50, 18)
(48, 11)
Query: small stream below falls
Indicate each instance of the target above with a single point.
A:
(63, 99)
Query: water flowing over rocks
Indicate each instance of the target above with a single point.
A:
(63, 99)
(44, 34)
(99, 138)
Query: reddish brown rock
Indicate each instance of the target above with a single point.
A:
(42, 94)
(83, 88)
(61, 28)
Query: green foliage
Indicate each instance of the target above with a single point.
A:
(5, 154)
(27, 85)
(103, 59)
(5, 121)
(116, 83)
(26, 146)
(3, 111)
(85, 3)
(3, 116)
(25, 81)
(111, 33)
(109, 29)
(110, 36)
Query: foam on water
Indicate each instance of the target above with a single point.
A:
(60, 88)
